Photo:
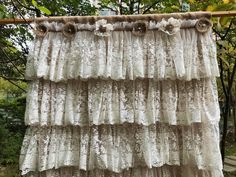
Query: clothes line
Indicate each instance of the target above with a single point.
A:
(116, 17)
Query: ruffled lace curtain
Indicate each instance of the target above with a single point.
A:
(120, 97)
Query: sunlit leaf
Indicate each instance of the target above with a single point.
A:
(191, 1)
(225, 7)
(224, 21)
(45, 10)
(210, 8)
(24, 2)
(231, 49)
(175, 7)
(231, 66)
(226, 1)
(35, 4)
(218, 26)
(225, 61)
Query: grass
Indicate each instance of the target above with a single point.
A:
(231, 149)
(9, 171)
(230, 174)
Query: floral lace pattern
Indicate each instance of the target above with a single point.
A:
(107, 102)
(166, 171)
(146, 102)
(123, 55)
(118, 147)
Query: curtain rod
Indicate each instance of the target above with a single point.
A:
(61, 18)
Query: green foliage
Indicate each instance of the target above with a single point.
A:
(12, 129)
(35, 4)
(2, 11)
(142, 6)
(41, 8)
(62, 7)
(226, 45)
(10, 144)
(7, 90)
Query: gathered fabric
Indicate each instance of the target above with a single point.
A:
(142, 101)
(166, 170)
(122, 99)
(185, 55)
(119, 147)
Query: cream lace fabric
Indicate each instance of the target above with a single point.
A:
(110, 102)
(143, 101)
(185, 55)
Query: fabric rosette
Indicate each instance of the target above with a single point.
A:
(170, 27)
(102, 28)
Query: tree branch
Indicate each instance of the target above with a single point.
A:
(222, 37)
(139, 2)
(13, 83)
(121, 8)
(217, 33)
(107, 7)
(14, 79)
(26, 6)
(232, 77)
(11, 62)
(227, 31)
(145, 11)
(222, 78)
(21, 14)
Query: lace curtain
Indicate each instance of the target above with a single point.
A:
(122, 98)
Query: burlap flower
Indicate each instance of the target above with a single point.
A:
(203, 25)
(139, 28)
(41, 30)
(69, 30)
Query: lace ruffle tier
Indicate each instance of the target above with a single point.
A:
(104, 101)
(185, 55)
(119, 147)
(166, 171)
(96, 102)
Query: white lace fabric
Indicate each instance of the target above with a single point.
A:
(185, 55)
(118, 147)
(122, 104)
(145, 102)
(167, 171)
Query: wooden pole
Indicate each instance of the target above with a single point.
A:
(223, 13)
(15, 21)
(61, 18)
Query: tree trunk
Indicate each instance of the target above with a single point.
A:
(225, 126)
(234, 119)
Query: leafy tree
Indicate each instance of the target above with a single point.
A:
(226, 44)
